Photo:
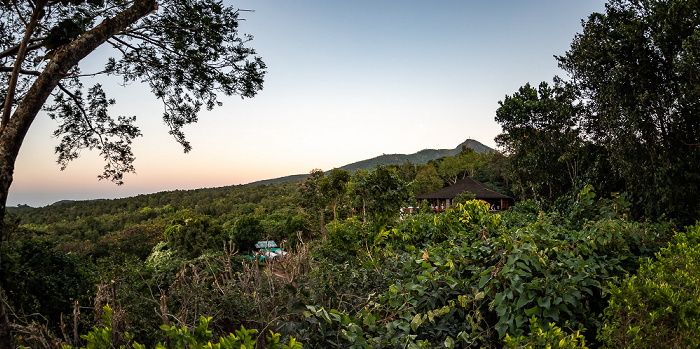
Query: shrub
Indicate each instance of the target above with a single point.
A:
(659, 306)
(180, 337)
(553, 337)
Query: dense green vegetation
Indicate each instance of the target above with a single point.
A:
(358, 274)
(601, 249)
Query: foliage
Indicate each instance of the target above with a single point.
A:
(335, 188)
(465, 278)
(635, 66)
(246, 232)
(102, 217)
(313, 200)
(463, 197)
(454, 168)
(191, 234)
(658, 306)
(625, 121)
(554, 337)
(427, 180)
(461, 278)
(181, 337)
(137, 241)
(41, 282)
(382, 193)
(541, 140)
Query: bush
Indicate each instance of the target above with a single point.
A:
(553, 337)
(659, 306)
(39, 279)
(180, 337)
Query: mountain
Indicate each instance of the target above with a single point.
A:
(420, 157)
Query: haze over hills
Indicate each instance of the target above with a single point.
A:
(420, 157)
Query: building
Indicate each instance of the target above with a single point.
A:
(444, 198)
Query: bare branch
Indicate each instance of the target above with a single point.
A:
(19, 13)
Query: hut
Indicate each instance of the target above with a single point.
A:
(444, 198)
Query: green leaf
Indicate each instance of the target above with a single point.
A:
(523, 300)
(416, 321)
(532, 311)
(449, 342)
(484, 279)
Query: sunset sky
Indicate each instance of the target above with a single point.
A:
(346, 81)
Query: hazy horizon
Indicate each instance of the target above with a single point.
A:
(346, 81)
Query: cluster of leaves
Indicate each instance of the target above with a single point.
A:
(469, 278)
(41, 281)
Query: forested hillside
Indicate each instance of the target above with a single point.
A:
(601, 250)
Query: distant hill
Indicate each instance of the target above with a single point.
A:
(420, 157)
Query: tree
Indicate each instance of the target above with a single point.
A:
(637, 68)
(359, 191)
(427, 179)
(380, 192)
(541, 138)
(467, 162)
(386, 194)
(335, 188)
(451, 168)
(247, 231)
(406, 171)
(312, 199)
(186, 51)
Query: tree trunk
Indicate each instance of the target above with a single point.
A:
(12, 136)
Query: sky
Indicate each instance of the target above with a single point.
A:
(346, 81)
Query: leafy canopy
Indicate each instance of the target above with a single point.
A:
(188, 52)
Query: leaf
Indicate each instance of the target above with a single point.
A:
(532, 311)
(523, 300)
(449, 342)
(417, 321)
(484, 279)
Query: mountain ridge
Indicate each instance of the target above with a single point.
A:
(420, 157)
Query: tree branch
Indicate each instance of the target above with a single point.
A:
(127, 55)
(139, 36)
(21, 71)
(21, 51)
(12, 50)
